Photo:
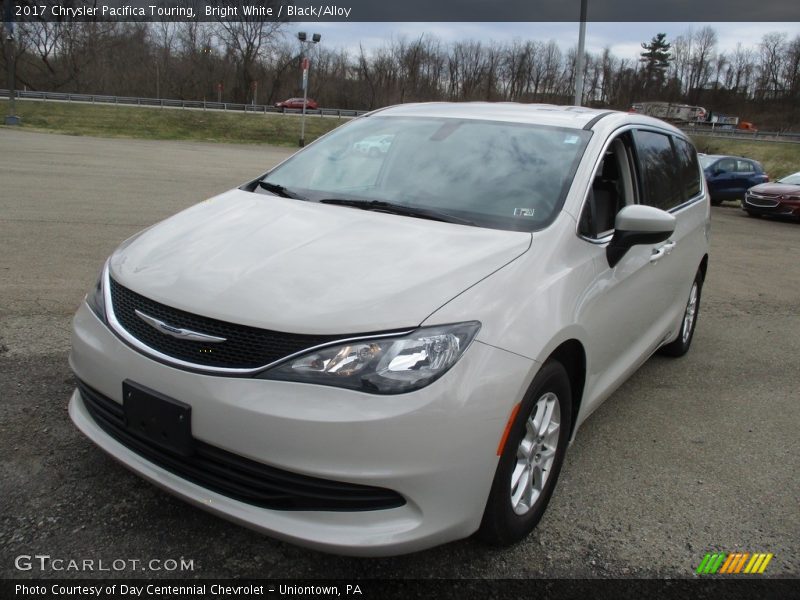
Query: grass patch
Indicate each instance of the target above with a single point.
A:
(778, 158)
(170, 123)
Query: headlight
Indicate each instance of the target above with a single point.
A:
(96, 298)
(391, 365)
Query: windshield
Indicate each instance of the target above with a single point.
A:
(492, 174)
(790, 179)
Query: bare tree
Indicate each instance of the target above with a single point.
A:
(791, 70)
(164, 38)
(704, 42)
(247, 42)
(681, 60)
(772, 50)
(189, 60)
(198, 61)
(608, 65)
(740, 72)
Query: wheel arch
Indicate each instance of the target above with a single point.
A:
(572, 356)
(704, 266)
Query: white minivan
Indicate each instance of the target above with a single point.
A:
(372, 355)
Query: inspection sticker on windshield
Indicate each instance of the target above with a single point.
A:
(571, 139)
(523, 212)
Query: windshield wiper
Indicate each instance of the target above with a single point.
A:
(279, 190)
(398, 209)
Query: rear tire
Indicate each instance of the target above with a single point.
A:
(684, 340)
(531, 460)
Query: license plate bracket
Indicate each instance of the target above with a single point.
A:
(158, 419)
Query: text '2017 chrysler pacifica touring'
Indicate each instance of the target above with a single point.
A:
(373, 355)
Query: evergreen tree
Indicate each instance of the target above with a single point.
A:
(656, 57)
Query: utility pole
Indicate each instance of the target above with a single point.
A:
(305, 64)
(579, 60)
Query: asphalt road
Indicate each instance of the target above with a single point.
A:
(690, 456)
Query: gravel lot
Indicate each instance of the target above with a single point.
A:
(689, 456)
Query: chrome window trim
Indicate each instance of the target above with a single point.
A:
(597, 241)
(689, 202)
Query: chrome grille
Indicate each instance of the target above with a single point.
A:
(244, 347)
(761, 201)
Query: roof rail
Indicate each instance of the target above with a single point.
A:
(591, 123)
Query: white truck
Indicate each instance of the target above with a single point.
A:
(671, 111)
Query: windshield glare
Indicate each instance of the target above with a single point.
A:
(494, 174)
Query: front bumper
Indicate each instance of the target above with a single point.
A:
(436, 447)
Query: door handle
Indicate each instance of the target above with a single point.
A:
(662, 251)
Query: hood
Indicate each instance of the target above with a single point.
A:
(304, 267)
(776, 189)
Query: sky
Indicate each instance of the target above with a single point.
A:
(624, 39)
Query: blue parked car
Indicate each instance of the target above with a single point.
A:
(729, 177)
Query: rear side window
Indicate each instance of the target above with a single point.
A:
(659, 170)
(689, 169)
(745, 166)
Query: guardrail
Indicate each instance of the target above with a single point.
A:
(742, 134)
(705, 130)
(174, 103)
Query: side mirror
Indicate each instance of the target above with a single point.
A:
(638, 224)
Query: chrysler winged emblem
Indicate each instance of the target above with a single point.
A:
(177, 332)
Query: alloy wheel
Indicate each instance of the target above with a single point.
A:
(536, 453)
(689, 315)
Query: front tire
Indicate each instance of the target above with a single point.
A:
(531, 460)
(684, 340)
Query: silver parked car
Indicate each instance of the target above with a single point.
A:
(377, 354)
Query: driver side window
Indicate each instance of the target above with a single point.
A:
(612, 189)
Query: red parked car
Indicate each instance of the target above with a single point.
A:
(779, 198)
(297, 103)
